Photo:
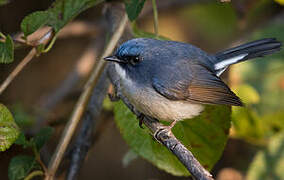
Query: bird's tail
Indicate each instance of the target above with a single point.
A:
(244, 52)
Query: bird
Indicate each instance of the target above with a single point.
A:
(173, 81)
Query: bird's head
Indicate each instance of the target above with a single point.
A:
(131, 52)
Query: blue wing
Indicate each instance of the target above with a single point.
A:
(195, 83)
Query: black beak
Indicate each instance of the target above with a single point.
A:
(113, 59)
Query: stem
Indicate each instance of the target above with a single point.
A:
(82, 102)
(50, 45)
(156, 22)
(18, 69)
(34, 174)
(37, 156)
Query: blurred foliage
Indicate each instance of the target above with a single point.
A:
(23, 119)
(205, 136)
(6, 49)
(248, 93)
(258, 13)
(266, 75)
(3, 2)
(280, 1)
(268, 164)
(214, 22)
(245, 119)
(20, 166)
(9, 131)
(133, 8)
(264, 112)
(138, 33)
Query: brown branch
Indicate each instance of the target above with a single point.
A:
(82, 102)
(165, 136)
(90, 121)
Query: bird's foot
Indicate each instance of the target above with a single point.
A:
(113, 97)
(164, 129)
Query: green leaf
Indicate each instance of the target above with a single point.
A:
(268, 164)
(61, 12)
(7, 50)
(205, 136)
(34, 21)
(213, 22)
(20, 166)
(42, 137)
(137, 33)
(9, 130)
(133, 8)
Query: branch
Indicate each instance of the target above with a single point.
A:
(90, 121)
(82, 102)
(165, 136)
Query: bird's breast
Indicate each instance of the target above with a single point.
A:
(149, 102)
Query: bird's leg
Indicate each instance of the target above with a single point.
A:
(172, 124)
(140, 117)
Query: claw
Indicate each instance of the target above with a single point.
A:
(163, 128)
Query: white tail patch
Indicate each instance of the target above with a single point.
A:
(227, 62)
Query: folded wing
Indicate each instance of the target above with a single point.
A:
(196, 84)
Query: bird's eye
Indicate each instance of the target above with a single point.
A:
(134, 60)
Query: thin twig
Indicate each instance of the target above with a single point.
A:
(34, 174)
(82, 102)
(18, 69)
(43, 40)
(156, 22)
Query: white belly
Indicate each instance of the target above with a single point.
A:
(149, 102)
